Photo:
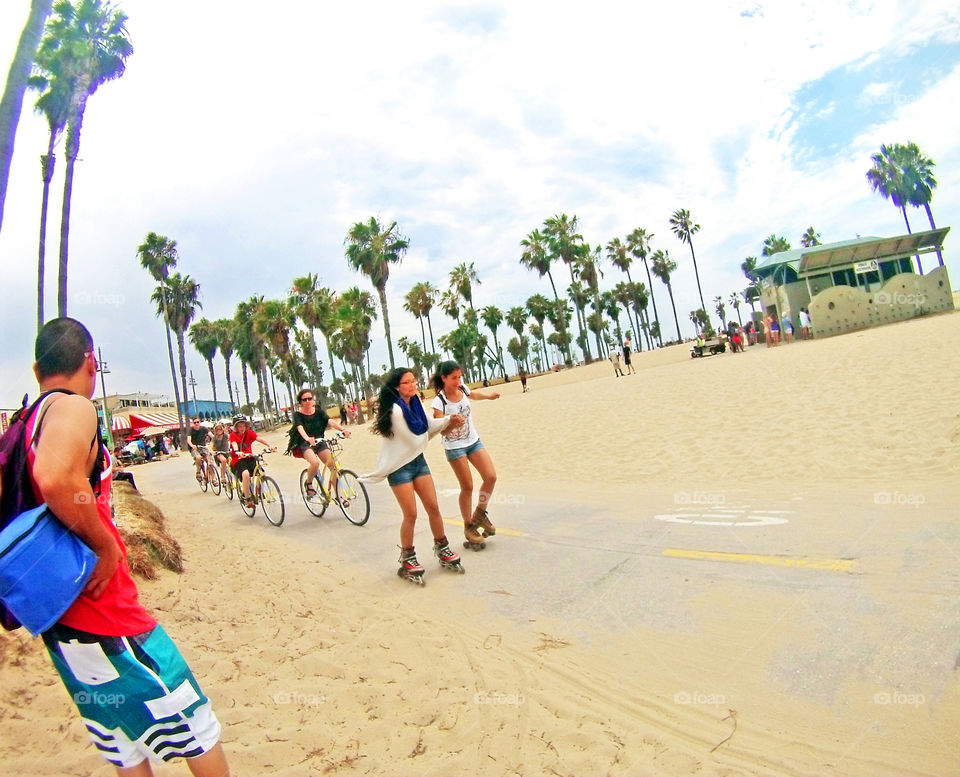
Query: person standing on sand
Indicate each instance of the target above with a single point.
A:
(615, 361)
(106, 647)
(406, 430)
(463, 448)
(626, 357)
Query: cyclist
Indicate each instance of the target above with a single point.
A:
(242, 460)
(306, 436)
(221, 449)
(197, 438)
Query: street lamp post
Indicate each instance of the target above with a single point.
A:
(102, 369)
(193, 388)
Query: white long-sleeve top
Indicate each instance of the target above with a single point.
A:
(404, 446)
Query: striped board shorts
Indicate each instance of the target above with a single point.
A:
(136, 695)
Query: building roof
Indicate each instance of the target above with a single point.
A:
(822, 258)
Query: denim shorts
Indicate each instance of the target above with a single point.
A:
(409, 472)
(458, 453)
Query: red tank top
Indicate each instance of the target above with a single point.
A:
(118, 612)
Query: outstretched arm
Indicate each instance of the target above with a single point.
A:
(484, 395)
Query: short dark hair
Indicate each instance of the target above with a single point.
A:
(62, 345)
(303, 391)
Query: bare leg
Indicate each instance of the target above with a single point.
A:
(142, 769)
(427, 492)
(407, 499)
(461, 468)
(313, 463)
(488, 473)
(212, 763)
(245, 484)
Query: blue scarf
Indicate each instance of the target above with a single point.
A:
(414, 414)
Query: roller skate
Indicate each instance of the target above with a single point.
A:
(449, 559)
(410, 568)
(481, 519)
(472, 538)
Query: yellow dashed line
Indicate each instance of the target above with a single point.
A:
(833, 565)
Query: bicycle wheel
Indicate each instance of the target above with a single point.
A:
(271, 500)
(316, 504)
(352, 497)
(228, 485)
(213, 475)
(248, 507)
(202, 477)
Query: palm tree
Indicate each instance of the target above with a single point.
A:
(224, 329)
(12, 101)
(810, 238)
(450, 304)
(182, 300)
(413, 303)
(887, 179)
(536, 256)
(588, 269)
(304, 301)
(639, 299)
(158, 255)
(355, 314)
(681, 223)
(918, 181)
(622, 294)
(721, 311)
(565, 244)
(462, 278)
(748, 265)
(251, 349)
(775, 244)
(492, 318)
(325, 307)
(735, 302)
(205, 338)
(90, 46)
(539, 308)
(611, 307)
(638, 243)
(52, 103)
(371, 249)
(273, 322)
(663, 267)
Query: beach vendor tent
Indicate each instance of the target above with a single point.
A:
(119, 424)
(152, 423)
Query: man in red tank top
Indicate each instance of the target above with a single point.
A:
(136, 695)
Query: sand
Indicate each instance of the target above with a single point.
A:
(739, 565)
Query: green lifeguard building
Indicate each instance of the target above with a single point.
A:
(855, 284)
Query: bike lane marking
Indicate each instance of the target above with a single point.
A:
(832, 565)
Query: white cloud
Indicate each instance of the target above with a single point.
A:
(256, 140)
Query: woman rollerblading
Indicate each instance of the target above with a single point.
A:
(406, 430)
(449, 558)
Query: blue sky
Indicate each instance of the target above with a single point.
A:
(256, 142)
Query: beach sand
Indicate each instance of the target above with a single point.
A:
(738, 565)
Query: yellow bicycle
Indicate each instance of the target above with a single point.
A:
(263, 491)
(348, 492)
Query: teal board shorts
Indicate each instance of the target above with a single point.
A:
(136, 695)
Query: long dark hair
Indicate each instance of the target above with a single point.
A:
(443, 369)
(388, 397)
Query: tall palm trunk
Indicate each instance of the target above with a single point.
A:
(433, 345)
(926, 206)
(675, 319)
(903, 209)
(181, 347)
(173, 369)
(213, 384)
(47, 163)
(581, 340)
(226, 360)
(12, 101)
(697, 276)
(71, 151)
(382, 292)
(423, 334)
(246, 385)
(653, 299)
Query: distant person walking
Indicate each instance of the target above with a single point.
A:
(406, 430)
(626, 357)
(463, 448)
(804, 324)
(106, 646)
(615, 361)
